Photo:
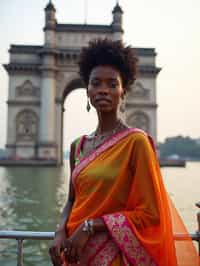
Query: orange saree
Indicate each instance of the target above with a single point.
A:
(121, 183)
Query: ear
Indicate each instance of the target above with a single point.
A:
(123, 93)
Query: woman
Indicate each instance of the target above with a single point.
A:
(118, 210)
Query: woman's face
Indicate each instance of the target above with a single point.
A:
(105, 88)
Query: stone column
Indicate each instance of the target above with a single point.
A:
(47, 148)
(59, 128)
(47, 108)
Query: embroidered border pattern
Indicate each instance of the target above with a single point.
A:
(100, 251)
(106, 255)
(125, 261)
(94, 245)
(124, 237)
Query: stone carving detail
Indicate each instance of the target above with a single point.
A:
(26, 126)
(139, 91)
(70, 58)
(27, 89)
(140, 120)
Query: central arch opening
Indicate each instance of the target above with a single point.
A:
(76, 120)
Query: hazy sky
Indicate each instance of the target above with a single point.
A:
(172, 27)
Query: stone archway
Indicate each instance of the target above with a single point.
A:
(42, 76)
(72, 85)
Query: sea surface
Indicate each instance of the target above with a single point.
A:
(33, 198)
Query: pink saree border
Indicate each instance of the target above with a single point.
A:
(95, 244)
(122, 234)
(100, 250)
(105, 255)
(103, 147)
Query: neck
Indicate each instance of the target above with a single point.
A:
(106, 122)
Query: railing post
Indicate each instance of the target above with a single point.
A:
(198, 221)
(19, 252)
(198, 232)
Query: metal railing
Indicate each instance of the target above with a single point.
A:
(20, 236)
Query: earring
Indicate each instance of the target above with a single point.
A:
(88, 105)
(122, 104)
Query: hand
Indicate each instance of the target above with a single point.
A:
(56, 247)
(75, 244)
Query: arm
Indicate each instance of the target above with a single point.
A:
(61, 234)
(69, 204)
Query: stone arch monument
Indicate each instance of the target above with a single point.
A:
(41, 77)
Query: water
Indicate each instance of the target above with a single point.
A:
(32, 199)
(183, 185)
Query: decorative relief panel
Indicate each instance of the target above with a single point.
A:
(139, 91)
(140, 120)
(27, 89)
(65, 59)
(26, 126)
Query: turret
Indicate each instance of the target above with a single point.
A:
(117, 22)
(50, 19)
(50, 25)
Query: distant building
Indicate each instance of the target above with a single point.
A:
(41, 77)
(198, 141)
(3, 154)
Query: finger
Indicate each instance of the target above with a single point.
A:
(63, 259)
(55, 256)
(72, 255)
(54, 262)
(51, 253)
(55, 253)
(67, 248)
(66, 253)
(75, 255)
(78, 255)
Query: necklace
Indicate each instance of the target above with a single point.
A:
(98, 138)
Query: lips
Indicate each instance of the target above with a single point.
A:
(102, 100)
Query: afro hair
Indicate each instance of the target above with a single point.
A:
(113, 53)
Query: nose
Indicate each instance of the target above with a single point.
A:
(103, 88)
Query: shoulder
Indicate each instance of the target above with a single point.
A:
(141, 138)
(137, 134)
(74, 145)
(75, 141)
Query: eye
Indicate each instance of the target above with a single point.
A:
(94, 83)
(113, 84)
